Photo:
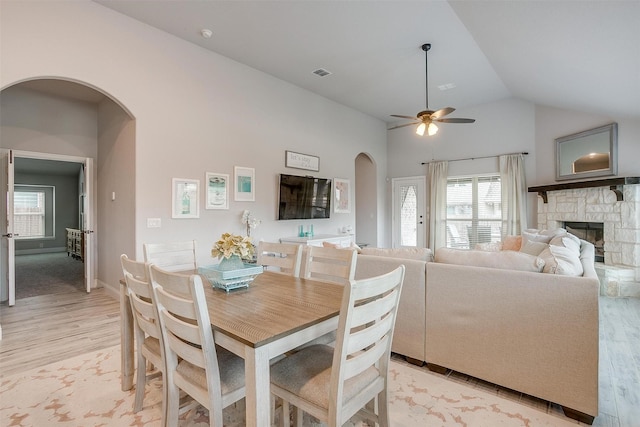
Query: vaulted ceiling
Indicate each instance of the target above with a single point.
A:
(579, 55)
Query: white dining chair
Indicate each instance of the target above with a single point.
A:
(333, 384)
(148, 337)
(330, 264)
(172, 256)
(282, 258)
(211, 375)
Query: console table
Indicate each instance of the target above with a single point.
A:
(342, 240)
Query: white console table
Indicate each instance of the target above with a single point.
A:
(343, 240)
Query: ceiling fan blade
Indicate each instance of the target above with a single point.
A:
(404, 117)
(401, 126)
(442, 112)
(455, 120)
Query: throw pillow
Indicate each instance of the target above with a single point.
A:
(512, 243)
(533, 248)
(504, 260)
(561, 260)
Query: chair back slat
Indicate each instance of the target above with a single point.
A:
(330, 264)
(172, 256)
(280, 257)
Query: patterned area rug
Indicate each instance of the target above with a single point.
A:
(85, 391)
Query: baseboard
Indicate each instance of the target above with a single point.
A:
(114, 292)
(40, 251)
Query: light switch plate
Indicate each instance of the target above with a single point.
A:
(153, 223)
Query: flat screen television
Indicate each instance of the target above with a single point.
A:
(304, 197)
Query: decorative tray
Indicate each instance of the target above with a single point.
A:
(230, 279)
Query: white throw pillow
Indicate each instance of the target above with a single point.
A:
(561, 260)
(533, 248)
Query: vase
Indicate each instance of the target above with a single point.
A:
(234, 262)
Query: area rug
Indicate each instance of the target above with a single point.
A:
(85, 391)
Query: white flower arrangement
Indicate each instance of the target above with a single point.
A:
(250, 221)
(233, 244)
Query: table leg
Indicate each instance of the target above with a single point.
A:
(126, 341)
(258, 387)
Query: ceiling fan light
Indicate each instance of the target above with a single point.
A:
(421, 128)
(432, 130)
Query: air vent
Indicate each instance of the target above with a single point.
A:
(322, 72)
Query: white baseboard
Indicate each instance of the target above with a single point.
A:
(40, 251)
(114, 292)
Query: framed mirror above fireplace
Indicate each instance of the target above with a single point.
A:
(588, 154)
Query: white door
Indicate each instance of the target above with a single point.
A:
(409, 212)
(86, 197)
(8, 268)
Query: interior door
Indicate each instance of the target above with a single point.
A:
(7, 267)
(86, 212)
(409, 212)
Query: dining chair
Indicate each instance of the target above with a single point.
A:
(282, 258)
(330, 264)
(333, 384)
(148, 337)
(211, 375)
(172, 256)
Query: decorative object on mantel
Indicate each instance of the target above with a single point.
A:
(614, 184)
(249, 221)
(425, 119)
(588, 154)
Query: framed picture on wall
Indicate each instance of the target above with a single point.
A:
(342, 195)
(217, 191)
(185, 198)
(245, 184)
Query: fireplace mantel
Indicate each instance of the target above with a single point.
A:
(614, 184)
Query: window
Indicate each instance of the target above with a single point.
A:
(33, 211)
(474, 210)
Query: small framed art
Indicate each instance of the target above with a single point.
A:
(302, 161)
(217, 191)
(342, 196)
(185, 198)
(245, 184)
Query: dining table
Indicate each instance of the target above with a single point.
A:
(273, 315)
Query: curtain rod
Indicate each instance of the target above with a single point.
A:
(524, 153)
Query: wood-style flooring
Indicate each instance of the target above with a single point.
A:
(48, 328)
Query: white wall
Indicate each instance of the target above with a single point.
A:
(195, 112)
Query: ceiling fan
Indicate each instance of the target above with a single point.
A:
(425, 119)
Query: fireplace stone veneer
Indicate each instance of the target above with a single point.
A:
(620, 273)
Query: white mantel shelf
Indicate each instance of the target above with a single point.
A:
(614, 184)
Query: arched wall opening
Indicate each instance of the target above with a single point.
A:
(366, 200)
(53, 117)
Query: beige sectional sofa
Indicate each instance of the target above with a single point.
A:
(532, 332)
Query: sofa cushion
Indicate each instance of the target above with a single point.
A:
(504, 260)
(420, 254)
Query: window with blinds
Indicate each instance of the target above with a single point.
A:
(29, 213)
(474, 210)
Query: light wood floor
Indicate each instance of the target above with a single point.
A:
(49, 328)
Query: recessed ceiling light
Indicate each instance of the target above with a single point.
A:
(206, 33)
(322, 72)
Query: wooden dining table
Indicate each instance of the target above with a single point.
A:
(275, 314)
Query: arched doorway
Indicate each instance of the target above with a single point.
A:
(366, 200)
(56, 119)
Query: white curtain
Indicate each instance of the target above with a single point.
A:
(438, 173)
(514, 194)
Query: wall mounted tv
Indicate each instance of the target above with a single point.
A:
(304, 197)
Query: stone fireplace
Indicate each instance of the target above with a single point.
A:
(619, 213)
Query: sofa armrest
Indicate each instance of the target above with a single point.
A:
(409, 334)
(532, 332)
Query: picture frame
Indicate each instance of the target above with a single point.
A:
(301, 161)
(185, 198)
(217, 191)
(341, 195)
(245, 184)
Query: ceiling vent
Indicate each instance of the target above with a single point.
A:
(322, 72)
